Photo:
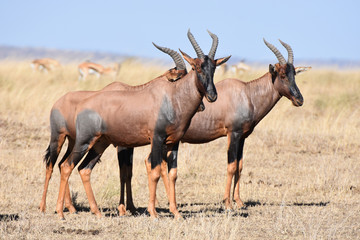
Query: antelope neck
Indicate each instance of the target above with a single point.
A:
(263, 95)
(187, 90)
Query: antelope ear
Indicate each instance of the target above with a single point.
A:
(273, 72)
(201, 107)
(220, 61)
(187, 58)
(299, 70)
(272, 69)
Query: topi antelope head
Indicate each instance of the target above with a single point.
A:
(283, 74)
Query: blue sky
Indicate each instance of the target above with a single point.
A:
(316, 29)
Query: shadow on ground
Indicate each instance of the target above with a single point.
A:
(210, 209)
(9, 217)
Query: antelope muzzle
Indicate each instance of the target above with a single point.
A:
(211, 95)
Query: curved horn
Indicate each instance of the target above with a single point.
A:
(290, 52)
(195, 45)
(278, 55)
(179, 62)
(214, 45)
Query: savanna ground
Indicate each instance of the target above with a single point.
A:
(301, 176)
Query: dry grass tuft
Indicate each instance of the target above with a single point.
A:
(301, 176)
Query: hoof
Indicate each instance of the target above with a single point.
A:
(97, 214)
(154, 218)
(153, 215)
(227, 204)
(42, 209)
(72, 210)
(122, 210)
(132, 210)
(61, 216)
(229, 212)
(239, 203)
(178, 217)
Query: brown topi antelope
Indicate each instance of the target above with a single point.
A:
(239, 108)
(87, 68)
(44, 64)
(62, 125)
(121, 118)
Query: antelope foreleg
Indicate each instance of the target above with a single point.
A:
(233, 151)
(163, 174)
(154, 173)
(164, 177)
(66, 168)
(52, 153)
(231, 169)
(68, 202)
(236, 190)
(85, 169)
(172, 168)
(172, 193)
(125, 160)
(153, 180)
(49, 171)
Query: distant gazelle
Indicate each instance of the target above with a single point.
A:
(87, 68)
(236, 69)
(45, 64)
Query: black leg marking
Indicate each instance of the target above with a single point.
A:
(233, 151)
(172, 158)
(157, 151)
(125, 156)
(68, 151)
(90, 160)
(240, 149)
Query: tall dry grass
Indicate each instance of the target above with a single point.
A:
(301, 176)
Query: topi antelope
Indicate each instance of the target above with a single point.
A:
(45, 64)
(239, 108)
(121, 118)
(87, 68)
(62, 125)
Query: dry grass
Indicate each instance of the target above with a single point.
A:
(301, 176)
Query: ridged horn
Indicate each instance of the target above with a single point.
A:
(278, 55)
(290, 52)
(214, 45)
(179, 62)
(195, 45)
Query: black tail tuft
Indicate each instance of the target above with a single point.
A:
(47, 156)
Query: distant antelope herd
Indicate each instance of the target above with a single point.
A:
(174, 111)
(85, 69)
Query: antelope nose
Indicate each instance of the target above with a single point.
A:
(298, 102)
(211, 96)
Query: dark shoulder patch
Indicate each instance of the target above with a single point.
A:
(57, 121)
(166, 116)
(90, 121)
(167, 112)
